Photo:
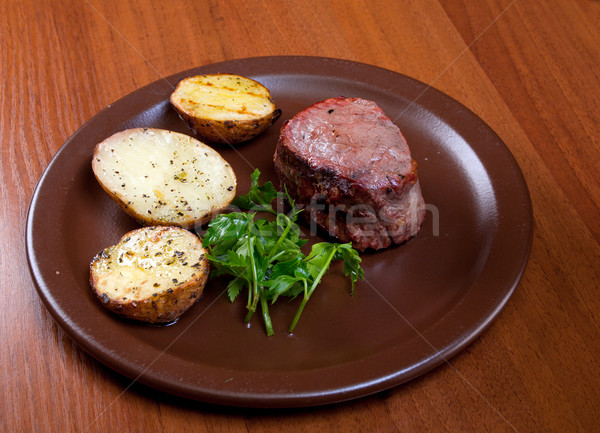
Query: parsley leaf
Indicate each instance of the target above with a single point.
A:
(259, 198)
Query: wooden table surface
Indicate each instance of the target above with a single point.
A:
(529, 68)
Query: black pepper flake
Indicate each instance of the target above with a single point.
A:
(105, 298)
(169, 290)
(156, 285)
(174, 280)
(330, 111)
(230, 188)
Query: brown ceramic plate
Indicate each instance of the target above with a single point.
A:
(420, 304)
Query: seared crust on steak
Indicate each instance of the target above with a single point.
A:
(350, 165)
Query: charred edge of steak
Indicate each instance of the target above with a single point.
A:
(338, 189)
(348, 211)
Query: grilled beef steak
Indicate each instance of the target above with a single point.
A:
(350, 166)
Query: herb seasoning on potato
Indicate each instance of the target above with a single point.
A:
(224, 108)
(162, 177)
(153, 274)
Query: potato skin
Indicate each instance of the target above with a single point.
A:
(223, 123)
(228, 131)
(163, 306)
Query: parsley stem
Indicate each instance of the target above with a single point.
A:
(283, 235)
(297, 316)
(322, 272)
(310, 291)
(267, 319)
(254, 280)
(276, 256)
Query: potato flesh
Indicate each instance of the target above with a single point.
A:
(144, 263)
(225, 97)
(164, 176)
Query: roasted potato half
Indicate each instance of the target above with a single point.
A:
(162, 177)
(154, 274)
(224, 108)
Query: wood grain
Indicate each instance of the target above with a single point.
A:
(530, 69)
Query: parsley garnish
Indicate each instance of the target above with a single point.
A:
(265, 256)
